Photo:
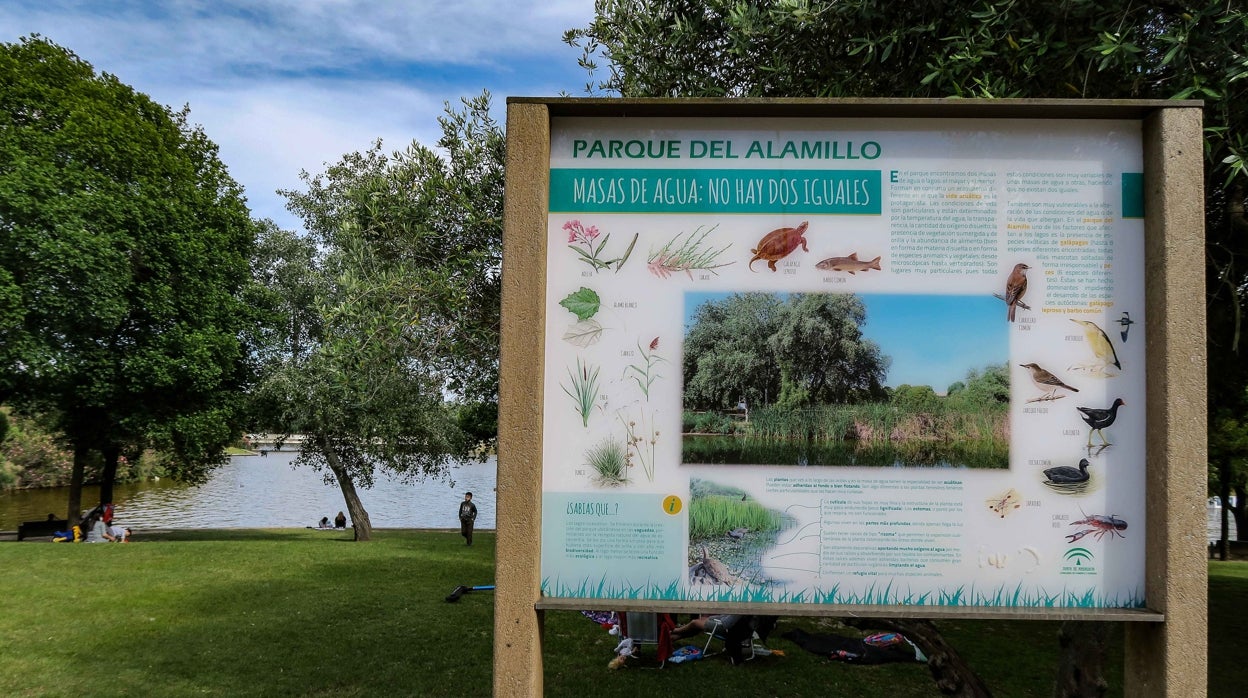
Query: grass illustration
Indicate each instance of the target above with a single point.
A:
(688, 255)
(609, 461)
(584, 390)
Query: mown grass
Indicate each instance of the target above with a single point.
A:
(309, 613)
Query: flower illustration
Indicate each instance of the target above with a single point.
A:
(581, 240)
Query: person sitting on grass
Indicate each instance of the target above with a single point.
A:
(119, 534)
(97, 532)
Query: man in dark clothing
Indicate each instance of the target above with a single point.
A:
(467, 517)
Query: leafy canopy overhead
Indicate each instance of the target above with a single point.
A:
(125, 245)
(1063, 49)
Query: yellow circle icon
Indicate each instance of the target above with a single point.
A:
(672, 504)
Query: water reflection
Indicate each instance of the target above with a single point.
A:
(256, 492)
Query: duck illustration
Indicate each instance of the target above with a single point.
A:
(1064, 475)
(1100, 419)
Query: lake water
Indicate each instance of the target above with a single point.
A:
(265, 492)
(256, 492)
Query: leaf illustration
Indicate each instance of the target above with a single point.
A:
(583, 304)
(584, 333)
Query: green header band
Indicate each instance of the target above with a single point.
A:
(1132, 194)
(853, 192)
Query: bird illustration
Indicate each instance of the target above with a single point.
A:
(738, 533)
(1126, 323)
(1047, 382)
(1015, 287)
(1099, 342)
(1066, 475)
(1100, 419)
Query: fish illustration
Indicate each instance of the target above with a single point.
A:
(850, 264)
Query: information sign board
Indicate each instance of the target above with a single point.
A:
(845, 361)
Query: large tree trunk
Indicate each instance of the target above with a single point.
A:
(359, 517)
(75, 485)
(109, 477)
(954, 677)
(1081, 667)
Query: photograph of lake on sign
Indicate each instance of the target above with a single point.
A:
(883, 380)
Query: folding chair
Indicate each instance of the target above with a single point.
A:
(737, 635)
(741, 635)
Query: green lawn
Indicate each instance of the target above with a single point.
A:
(309, 613)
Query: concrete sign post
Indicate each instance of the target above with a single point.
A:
(915, 358)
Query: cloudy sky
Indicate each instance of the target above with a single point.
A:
(289, 85)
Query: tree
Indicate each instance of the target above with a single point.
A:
(991, 386)
(726, 357)
(400, 311)
(1228, 444)
(126, 243)
(1105, 49)
(806, 349)
(823, 357)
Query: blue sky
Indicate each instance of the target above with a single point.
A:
(932, 340)
(289, 85)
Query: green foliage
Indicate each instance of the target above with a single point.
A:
(987, 387)
(34, 456)
(917, 398)
(708, 423)
(714, 515)
(1095, 49)
(126, 244)
(388, 307)
(803, 350)
(726, 358)
(479, 423)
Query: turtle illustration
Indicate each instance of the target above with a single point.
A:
(777, 245)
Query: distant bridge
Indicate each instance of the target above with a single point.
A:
(259, 441)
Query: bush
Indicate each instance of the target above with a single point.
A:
(34, 457)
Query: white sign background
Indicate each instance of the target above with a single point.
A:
(1048, 187)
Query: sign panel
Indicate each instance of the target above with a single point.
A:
(845, 361)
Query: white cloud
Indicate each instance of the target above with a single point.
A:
(269, 133)
(289, 85)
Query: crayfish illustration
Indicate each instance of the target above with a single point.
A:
(1100, 524)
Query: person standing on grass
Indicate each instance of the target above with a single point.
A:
(467, 517)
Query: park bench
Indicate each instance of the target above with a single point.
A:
(33, 529)
(1238, 549)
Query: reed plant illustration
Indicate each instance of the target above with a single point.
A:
(641, 439)
(584, 390)
(688, 255)
(646, 375)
